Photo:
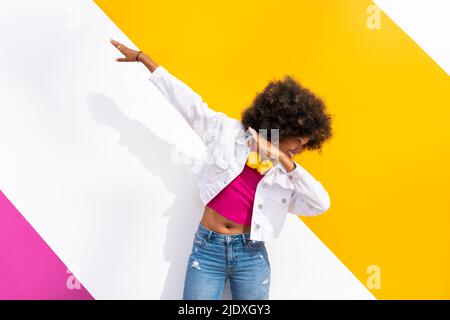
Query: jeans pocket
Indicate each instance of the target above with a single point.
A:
(199, 241)
(255, 245)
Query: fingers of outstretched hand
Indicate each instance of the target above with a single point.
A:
(120, 47)
(117, 44)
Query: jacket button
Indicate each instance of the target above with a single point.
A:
(290, 177)
(259, 206)
(283, 200)
(257, 226)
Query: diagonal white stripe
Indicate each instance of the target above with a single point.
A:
(426, 22)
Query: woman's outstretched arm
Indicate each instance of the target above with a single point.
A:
(205, 121)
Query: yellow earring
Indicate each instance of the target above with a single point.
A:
(254, 162)
(264, 166)
(253, 159)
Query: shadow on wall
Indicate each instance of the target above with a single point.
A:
(142, 143)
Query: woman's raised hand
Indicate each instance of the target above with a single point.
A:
(264, 146)
(134, 55)
(130, 54)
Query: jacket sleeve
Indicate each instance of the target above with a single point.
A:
(202, 119)
(310, 198)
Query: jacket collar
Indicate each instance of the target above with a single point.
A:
(281, 167)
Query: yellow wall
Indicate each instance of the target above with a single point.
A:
(387, 168)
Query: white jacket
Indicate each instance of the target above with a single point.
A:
(279, 192)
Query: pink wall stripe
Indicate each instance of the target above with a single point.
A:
(29, 269)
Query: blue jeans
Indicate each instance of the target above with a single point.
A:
(216, 257)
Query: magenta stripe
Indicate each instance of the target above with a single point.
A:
(29, 269)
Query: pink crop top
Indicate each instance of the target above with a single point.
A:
(235, 201)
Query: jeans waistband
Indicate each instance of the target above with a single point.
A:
(211, 235)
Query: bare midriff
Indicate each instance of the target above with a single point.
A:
(214, 221)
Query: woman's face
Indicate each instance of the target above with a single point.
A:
(293, 146)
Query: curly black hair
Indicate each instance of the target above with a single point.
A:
(293, 109)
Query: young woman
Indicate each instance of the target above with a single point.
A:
(247, 184)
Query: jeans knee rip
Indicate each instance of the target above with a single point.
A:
(195, 264)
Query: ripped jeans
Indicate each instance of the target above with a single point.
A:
(216, 257)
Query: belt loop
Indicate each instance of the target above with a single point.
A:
(243, 238)
(209, 235)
